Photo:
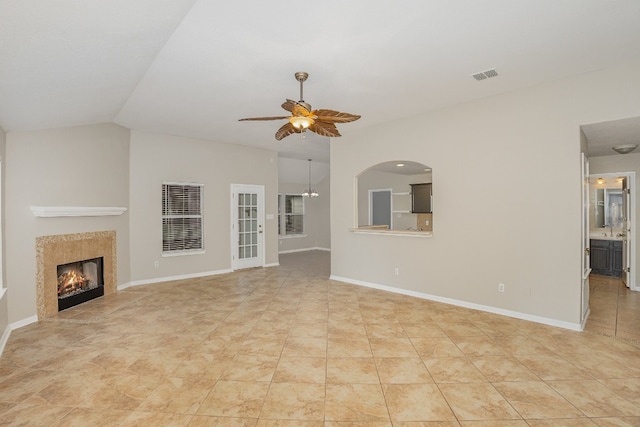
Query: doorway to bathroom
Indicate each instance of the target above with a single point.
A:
(612, 226)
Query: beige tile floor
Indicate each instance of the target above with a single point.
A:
(615, 310)
(285, 346)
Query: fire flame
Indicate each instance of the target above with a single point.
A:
(70, 282)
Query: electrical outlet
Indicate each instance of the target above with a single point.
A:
(156, 264)
(426, 222)
(396, 271)
(500, 287)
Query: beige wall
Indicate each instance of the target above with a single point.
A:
(507, 196)
(324, 214)
(4, 310)
(80, 166)
(156, 158)
(316, 214)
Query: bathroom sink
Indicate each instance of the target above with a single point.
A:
(601, 235)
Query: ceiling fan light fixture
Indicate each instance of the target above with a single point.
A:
(624, 148)
(301, 122)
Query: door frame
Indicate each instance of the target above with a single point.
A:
(381, 190)
(585, 197)
(626, 252)
(631, 222)
(259, 261)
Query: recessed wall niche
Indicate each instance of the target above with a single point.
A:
(395, 195)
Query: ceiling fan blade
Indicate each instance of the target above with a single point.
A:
(332, 116)
(324, 129)
(286, 130)
(264, 118)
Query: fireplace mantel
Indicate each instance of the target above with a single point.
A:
(62, 211)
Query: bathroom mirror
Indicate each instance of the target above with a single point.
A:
(384, 195)
(608, 208)
(606, 201)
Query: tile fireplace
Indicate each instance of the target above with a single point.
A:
(74, 268)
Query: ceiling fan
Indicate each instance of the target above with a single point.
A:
(302, 118)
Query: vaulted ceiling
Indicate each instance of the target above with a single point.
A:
(194, 67)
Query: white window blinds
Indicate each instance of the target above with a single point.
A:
(181, 217)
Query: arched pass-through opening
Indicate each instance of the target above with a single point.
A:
(395, 197)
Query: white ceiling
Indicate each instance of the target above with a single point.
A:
(194, 67)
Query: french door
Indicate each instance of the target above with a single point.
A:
(247, 226)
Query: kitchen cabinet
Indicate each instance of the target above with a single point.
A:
(606, 257)
(421, 200)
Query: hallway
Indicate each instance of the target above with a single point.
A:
(615, 310)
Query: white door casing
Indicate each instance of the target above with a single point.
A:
(586, 267)
(626, 252)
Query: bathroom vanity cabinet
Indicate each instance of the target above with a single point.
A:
(606, 257)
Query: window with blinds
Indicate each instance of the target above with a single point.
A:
(290, 214)
(181, 218)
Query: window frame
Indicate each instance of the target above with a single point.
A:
(199, 216)
(282, 216)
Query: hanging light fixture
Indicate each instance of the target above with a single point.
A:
(309, 192)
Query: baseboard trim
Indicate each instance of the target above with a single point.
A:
(465, 304)
(171, 278)
(584, 321)
(4, 339)
(23, 322)
(273, 264)
(317, 248)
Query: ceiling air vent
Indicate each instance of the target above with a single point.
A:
(485, 75)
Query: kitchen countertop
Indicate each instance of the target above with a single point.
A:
(370, 230)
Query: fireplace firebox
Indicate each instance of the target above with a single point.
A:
(79, 282)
